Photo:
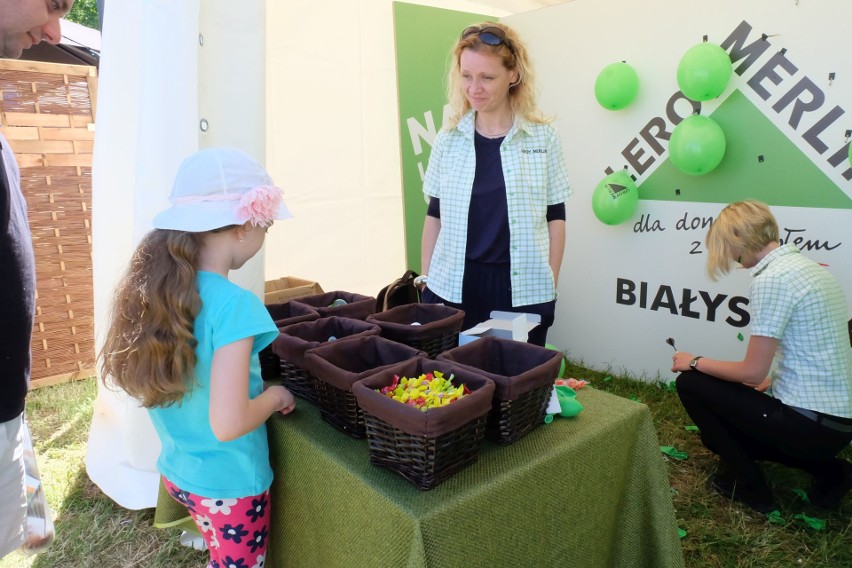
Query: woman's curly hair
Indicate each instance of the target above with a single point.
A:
(522, 95)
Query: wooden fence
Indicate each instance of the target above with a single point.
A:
(47, 114)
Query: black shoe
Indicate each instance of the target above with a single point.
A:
(727, 486)
(828, 494)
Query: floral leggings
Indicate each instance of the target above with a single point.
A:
(235, 530)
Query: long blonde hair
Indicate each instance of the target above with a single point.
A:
(522, 96)
(741, 228)
(150, 346)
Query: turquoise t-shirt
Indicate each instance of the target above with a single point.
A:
(192, 457)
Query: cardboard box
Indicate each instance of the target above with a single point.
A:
(508, 325)
(287, 288)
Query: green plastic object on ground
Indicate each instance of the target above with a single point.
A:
(674, 453)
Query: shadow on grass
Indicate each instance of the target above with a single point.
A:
(92, 530)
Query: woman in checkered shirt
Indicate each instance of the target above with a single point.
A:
(494, 232)
(799, 319)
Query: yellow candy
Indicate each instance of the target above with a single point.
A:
(426, 391)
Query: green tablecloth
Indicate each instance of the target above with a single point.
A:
(587, 491)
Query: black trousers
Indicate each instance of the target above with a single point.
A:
(488, 287)
(744, 426)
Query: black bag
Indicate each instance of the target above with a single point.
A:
(398, 293)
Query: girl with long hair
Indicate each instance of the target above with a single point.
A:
(184, 341)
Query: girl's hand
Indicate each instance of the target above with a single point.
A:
(680, 361)
(287, 402)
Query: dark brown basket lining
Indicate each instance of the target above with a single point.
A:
(289, 313)
(304, 333)
(510, 420)
(283, 314)
(426, 462)
(438, 332)
(358, 306)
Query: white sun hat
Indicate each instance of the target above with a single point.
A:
(218, 187)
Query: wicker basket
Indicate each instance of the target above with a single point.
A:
(425, 447)
(357, 306)
(523, 376)
(337, 366)
(283, 314)
(296, 339)
(437, 330)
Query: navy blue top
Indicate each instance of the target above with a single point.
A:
(17, 295)
(488, 213)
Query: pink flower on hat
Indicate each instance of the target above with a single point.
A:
(259, 205)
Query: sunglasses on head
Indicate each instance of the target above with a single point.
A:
(489, 35)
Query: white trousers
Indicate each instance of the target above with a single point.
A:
(13, 492)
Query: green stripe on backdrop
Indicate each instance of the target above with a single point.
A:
(760, 163)
(425, 37)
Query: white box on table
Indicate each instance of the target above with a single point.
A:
(508, 325)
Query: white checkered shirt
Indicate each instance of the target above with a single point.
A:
(800, 303)
(535, 175)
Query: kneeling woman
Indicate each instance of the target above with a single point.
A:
(799, 314)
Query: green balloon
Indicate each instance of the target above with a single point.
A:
(697, 145)
(615, 198)
(704, 72)
(561, 365)
(616, 86)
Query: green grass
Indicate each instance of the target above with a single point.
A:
(92, 531)
(721, 533)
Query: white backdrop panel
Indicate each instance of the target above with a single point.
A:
(570, 45)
